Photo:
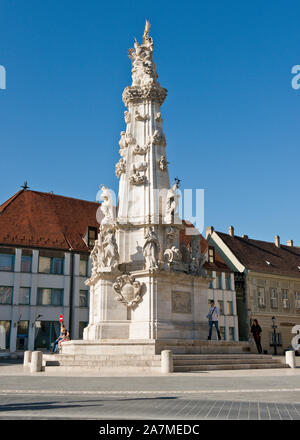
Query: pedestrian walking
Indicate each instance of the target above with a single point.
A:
(213, 319)
(256, 332)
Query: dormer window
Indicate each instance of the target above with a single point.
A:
(90, 236)
(211, 254)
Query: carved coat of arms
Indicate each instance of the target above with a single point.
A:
(128, 290)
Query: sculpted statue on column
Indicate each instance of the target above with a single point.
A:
(172, 203)
(106, 206)
(151, 249)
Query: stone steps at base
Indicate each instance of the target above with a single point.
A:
(222, 356)
(187, 362)
(210, 367)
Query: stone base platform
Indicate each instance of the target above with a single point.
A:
(151, 347)
(140, 356)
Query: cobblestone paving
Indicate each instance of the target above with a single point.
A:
(142, 407)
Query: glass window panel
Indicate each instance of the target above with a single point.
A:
(58, 266)
(44, 264)
(229, 307)
(82, 325)
(4, 334)
(44, 297)
(6, 295)
(231, 333)
(273, 298)
(83, 268)
(223, 333)
(57, 297)
(228, 281)
(6, 262)
(83, 298)
(24, 295)
(221, 307)
(26, 263)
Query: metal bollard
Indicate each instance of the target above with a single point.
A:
(290, 358)
(167, 361)
(27, 358)
(36, 361)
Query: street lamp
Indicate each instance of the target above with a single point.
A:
(274, 326)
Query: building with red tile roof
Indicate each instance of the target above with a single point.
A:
(45, 241)
(267, 280)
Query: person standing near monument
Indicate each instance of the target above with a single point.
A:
(213, 319)
(256, 332)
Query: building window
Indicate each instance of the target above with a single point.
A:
(285, 299)
(92, 236)
(4, 334)
(219, 280)
(231, 333)
(22, 335)
(51, 265)
(83, 298)
(261, 297)
(7, 262)
(278, 339)
(230, 308)
(223, 333)
(46, 334)
(83, 266)
(6, 295)
(211, 255)
(297, 300)
(210, 275)
(274, 303)
(26, 261)
(228, 281)
(24, 295)
(221, 307)
(50, 297)
(82, 325)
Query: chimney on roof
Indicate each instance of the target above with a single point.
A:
(209, 231)
(277, 241)
(290, 243)
(231, 231)
(245, 237)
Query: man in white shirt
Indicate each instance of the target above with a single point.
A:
(213, 317)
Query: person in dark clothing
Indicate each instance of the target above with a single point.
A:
(256, 332)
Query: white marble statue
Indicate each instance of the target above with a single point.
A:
(171, 204)
(151, 249)
(109, 250)
(106, 206)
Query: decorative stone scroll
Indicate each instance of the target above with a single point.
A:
(137, 178)
(139, 117)
(128, 290)
(163, 163)
(151, 92)
(121, 167)
(141, 150)
(173, 260)
(158, 138)
(127, 117)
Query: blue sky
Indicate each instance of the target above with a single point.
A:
(231, 117)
